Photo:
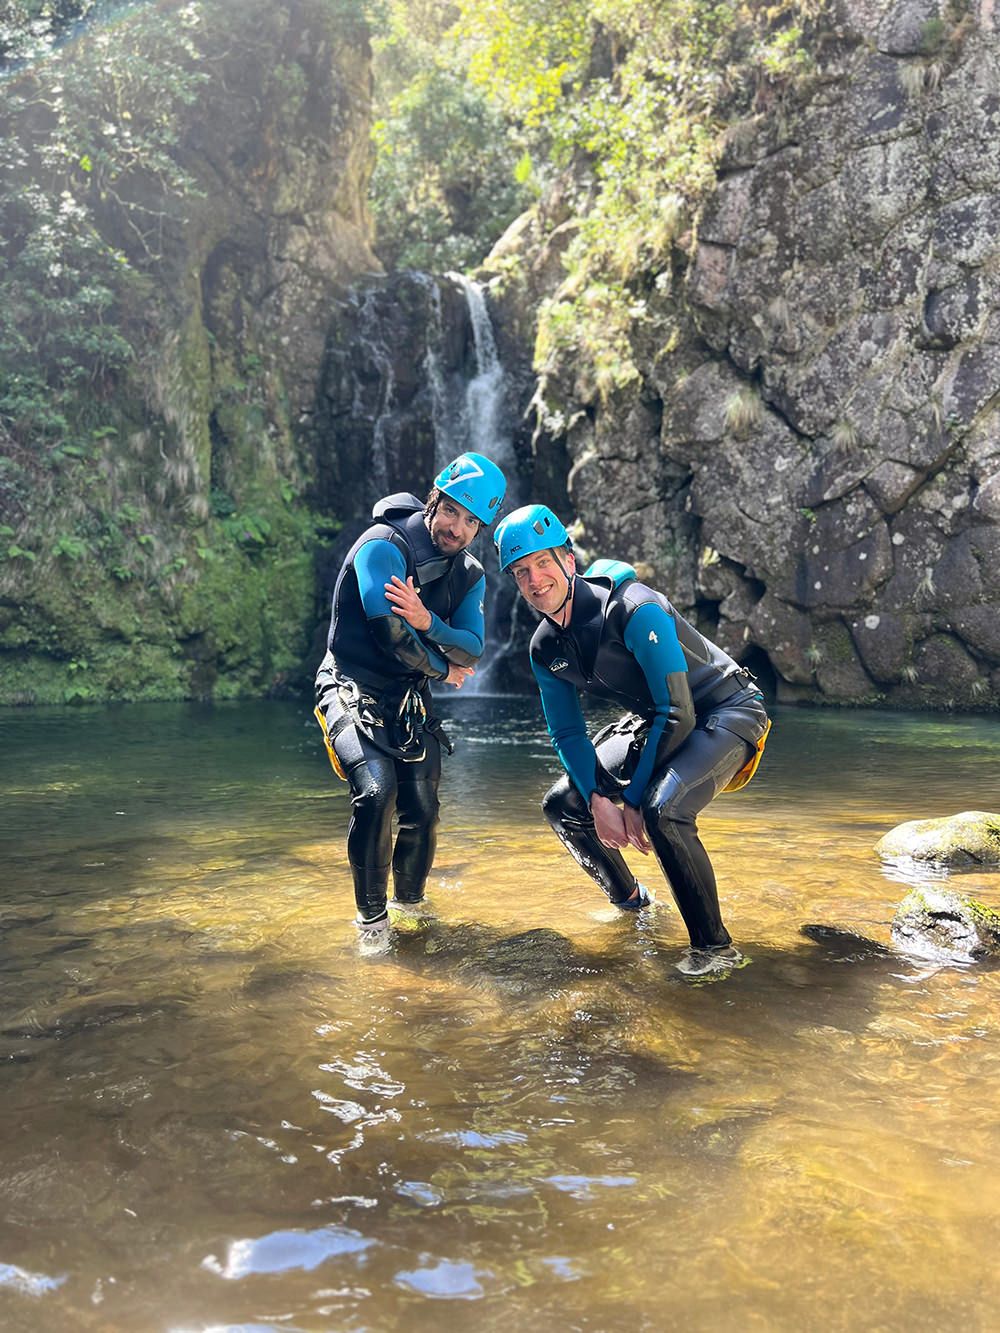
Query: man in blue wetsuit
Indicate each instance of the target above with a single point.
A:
(696, 720)
(407, 609)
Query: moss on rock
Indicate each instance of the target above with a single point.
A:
(970, 839)
(937, 924)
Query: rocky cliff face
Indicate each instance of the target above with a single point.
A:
(175, 554)
(811, 466)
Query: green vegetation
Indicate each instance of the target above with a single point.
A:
(121, 575)
(89, 189)
(450, 171)
(153, 539)
(30, 28)
(619, 105)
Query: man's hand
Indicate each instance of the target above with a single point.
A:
(609, 821)
(405, 601)
(457, 675)
(635, 830)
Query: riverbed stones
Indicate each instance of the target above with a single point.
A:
(964, 841)
(935, 923)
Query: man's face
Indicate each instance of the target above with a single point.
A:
(452, 526)
(541, 581)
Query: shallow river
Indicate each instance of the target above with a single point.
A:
(217, 1115)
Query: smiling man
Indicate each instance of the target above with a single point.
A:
(407, 609)
(696, 721)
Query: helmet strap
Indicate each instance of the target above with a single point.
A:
(570, 580)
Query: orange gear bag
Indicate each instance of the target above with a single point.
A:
(331, 752)
(750, 767)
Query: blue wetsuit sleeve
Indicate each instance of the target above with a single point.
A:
(567, 729)
(462, 639)
(651, 638)
(374, 564)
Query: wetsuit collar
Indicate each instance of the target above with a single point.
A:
(586, 621)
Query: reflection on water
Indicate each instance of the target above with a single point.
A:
(217, 1115)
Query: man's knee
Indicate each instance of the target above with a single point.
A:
(419, 806)
(663, 810)
(563, 802)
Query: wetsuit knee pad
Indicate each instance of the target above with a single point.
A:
(418, 803)
(371, 801)
(663, 810)
(372, 804)
(563, 805)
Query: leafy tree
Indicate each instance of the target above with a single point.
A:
(633, 96)
(446, 181)
(484, 100)
(89, 188)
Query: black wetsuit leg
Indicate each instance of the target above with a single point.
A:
(371, 776)
(715, 751)
(417, 808)
(570, 817)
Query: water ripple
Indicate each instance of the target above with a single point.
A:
(445, 1281)
(28, 1284)
(585, 1187)
(283, 1251)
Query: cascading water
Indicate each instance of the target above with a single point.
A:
(487, 433)
(485, 394)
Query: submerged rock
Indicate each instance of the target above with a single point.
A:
(845, 946)
(934, 923)
(959, 841)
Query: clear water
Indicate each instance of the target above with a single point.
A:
(216, 1115)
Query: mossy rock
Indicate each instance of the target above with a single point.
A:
(965, 841)
(934, 923)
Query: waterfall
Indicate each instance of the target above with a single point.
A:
(487, 432)
(446, 447)
(485, 394)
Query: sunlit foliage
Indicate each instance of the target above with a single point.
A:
(30, 28)
(446, 179)
(628, 99)
(89, 189)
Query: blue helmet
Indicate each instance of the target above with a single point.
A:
(476, 482)
(527, 530)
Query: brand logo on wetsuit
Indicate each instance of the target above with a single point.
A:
(652, 637)
(560, 664)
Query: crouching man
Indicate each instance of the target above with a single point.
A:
(696, 725)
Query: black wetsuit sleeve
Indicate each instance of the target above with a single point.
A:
(395, 637)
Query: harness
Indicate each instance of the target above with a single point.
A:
(398, 730)
(592, 655)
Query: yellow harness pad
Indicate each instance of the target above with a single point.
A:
(331, 752)
(750, 767)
